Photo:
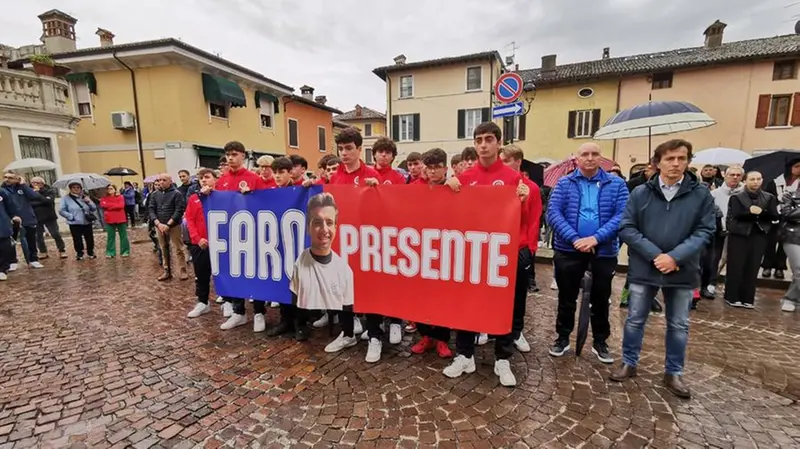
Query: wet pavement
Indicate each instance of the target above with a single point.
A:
(96, 354)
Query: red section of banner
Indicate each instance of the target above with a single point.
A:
(429, 255)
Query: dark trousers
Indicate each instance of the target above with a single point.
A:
(238, 306)
(744, 253)
(570, 269)
(707, 269)
(374, 322)
(719, 246)
(202, 273)
(81, 233)
(532, 271)
(503, 344)
(7, 251)
(435, 332)
(346, 318)
(293, 315)
(774, 257)
(52, 228)
(29, 234)
(524, 267)
(130, 212)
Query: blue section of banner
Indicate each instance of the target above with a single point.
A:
(255, 239)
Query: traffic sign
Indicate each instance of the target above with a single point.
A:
(508, 87)
(508, 110)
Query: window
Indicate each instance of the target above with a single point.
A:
(293, 134)
(472, 118)
(368, 130)
(83, 98)
(662, 80)
(474, 78)
(586, 92)
(779, 110)
(322, 139)
(784, 70)
(218, 110)
(265, 114)
(583, 124)
(368, 156)
(406, 86)
(406, 127)
(38, 147)
(514, 129)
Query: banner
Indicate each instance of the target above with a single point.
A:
(415, 252)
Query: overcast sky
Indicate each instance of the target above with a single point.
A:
(333, 45)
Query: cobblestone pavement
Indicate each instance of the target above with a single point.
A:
(96, 354)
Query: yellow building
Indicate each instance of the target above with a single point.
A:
(370, 122)
(438, 103)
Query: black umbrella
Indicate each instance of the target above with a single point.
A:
(772, 165)
(585, 313)
(121, 171)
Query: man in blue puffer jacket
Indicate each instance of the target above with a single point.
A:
(585, 210)
(8, 212)
(21, 195)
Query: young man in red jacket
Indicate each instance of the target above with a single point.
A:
(490, 170)
(384, 151)
(198, 237)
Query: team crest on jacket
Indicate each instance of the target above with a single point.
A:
(387, 182)
(242, 184)
(355, 181)
(499, 182)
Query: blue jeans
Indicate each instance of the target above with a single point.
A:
(677, 302)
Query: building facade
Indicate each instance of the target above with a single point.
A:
(309, 125)
(370, 122)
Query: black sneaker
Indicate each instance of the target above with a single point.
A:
(706, 293)
(79, 257)
(778, 274)
(92, 256)
(655, 307)
(601, 351)
(533, 288)
(767, 273)
(302, 332)
(559, 348)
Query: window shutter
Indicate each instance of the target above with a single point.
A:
(595, 120)
(276, 106)
(762, 112)
(486, 115)
(571, 124)
(796, 110)
(507, 123)
(416, 127)
(396, 128)
(521, 131)
(462, 123)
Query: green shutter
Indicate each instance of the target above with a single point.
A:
(86, 77)
(220, 90)
(461, 122)
(263, 96)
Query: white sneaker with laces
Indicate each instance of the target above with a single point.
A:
(483, 339)
(199, 309)
(340, 343)
(374, 350)
(13, 267)
(227, 310)
(503, 370)
(322, 322)
(259, 323)
(395, 333)
(219, 300)
(3, 276)
(357, 328)
(235, 320)
(459, 366)
(522, 344)
(365, 335)
(37, 264)
(787, 306)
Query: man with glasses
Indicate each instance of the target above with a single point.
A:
(722, 195)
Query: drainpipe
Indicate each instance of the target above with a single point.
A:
(136, 112)
(619, 94)
(389, 107)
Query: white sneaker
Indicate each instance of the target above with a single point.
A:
(219, 300)
(483, 339)
(37, 264)
(365, 335)
(357, 329)
(227, 310)
(3, 276)
(199, 309)
(13, 267)
(503, 370)
(235, 320)
(460, 366)
(522, 344)
(259, 323)
(712, 289)
(374, 351)
(554, 285)
(322, 322)
(787, 306)
(395, 333)
(274, 305)
(340, 343)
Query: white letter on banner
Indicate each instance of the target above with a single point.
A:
(370, 249)
(348, 237)
(497, 260)
(268, 246)
(476, 240)
(452, 261)
(243, 244)
(388, 250)
(409, 267)
(216, 246)
(293, 236)
(428, 254)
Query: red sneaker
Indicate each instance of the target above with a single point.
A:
(443, 350)
(423, 345)
(696, 294)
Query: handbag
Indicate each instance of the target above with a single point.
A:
(88, 214)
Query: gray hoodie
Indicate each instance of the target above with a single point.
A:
(722, 196)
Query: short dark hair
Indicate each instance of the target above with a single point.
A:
(434, 156)
(298, 160)
(184, 171)
(222, 161)
(671, 145)
(333, 161)
(488, 128)
(236, 146)
(384, 144)
(206, 171)
(282, 163)
(349, 135)
(469, 154)
(127, 183)
(455, 160)
(413, 157)
(323, 161)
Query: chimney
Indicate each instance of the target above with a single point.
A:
(714, 34)
(549, 63)
(358, 110)
(58, 31)
(400, 59)
(606, 52)
(307, 92)
(106, 37)
(321, 99)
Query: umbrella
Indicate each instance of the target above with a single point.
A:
(771, 165)
(121, 171)
(720, 156)
(567, 166)
(585, 314)
(89, 181)
(150, 179)
(31, 164)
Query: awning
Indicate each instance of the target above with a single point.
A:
(220, 90)
(263, 96)
(208, 151)
(258, 154)
(86, 77)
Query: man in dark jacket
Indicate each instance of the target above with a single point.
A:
(166, 209)
(45, 210)
(8, 213)
(22, 195)
(667, 223)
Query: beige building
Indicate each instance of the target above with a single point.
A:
(439, 102)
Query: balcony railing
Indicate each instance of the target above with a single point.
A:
(23, 89)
